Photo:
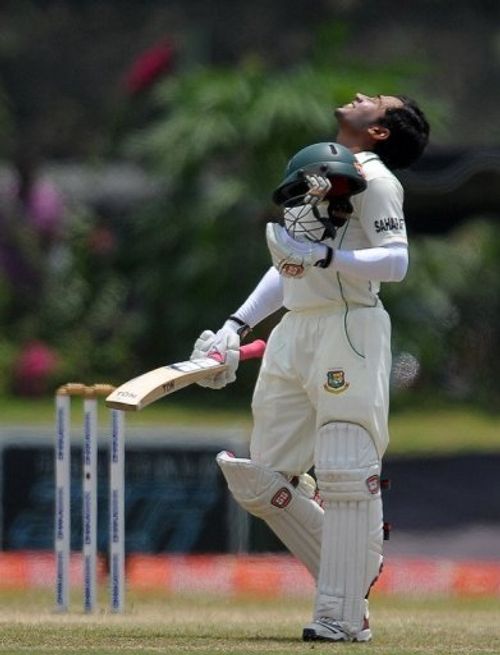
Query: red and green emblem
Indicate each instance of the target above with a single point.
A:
(335, 381)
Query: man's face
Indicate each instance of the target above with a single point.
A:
(364, 111)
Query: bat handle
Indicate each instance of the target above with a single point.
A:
(253, 350)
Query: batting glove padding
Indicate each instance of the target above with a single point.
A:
(226, 342)
(294, 258)
(319, 187)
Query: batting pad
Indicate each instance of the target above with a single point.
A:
(348, 474)
(290, 511)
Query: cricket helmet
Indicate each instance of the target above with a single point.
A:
(328, 159)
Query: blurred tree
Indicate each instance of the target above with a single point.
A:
(63, 297)
(5, 123)
(447, 313)
(61, 64)
(114, 296)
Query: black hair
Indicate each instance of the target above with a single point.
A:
(409, 134)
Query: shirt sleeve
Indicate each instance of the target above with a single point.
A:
(384, 264)
(265, 299)
(381, 212)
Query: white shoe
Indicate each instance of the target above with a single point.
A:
(328, 629)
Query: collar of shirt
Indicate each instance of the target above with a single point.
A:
(365, 156)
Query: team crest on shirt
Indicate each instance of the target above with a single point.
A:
(335, 381)
(291, 270)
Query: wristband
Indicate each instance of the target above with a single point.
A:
(244, 329)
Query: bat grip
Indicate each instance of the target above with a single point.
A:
(253, 350)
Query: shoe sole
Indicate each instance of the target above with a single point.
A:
(308, 634)
(311, 635)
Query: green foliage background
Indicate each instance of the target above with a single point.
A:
(116, 296)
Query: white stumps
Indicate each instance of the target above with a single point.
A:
(89, 505)
(116, 513)
(62, 542)
(62, 501)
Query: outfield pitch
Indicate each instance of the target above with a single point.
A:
(242, 627)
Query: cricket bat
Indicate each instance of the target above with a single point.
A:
(153, 385)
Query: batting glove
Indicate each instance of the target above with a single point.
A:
(225, 342)
(294, 258)
(319, 187)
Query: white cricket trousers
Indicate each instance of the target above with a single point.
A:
(321, 366)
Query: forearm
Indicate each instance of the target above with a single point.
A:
(385, 264)
(265, 299)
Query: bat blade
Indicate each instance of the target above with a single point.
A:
(145, 389)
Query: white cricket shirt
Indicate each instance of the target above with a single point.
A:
(377, 220)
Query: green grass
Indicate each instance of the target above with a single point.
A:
(422, 428)
(204, 626)
(443, 430)
(40, 411)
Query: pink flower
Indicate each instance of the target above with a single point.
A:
(148, 67)
(45, 207)
(34, 367)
